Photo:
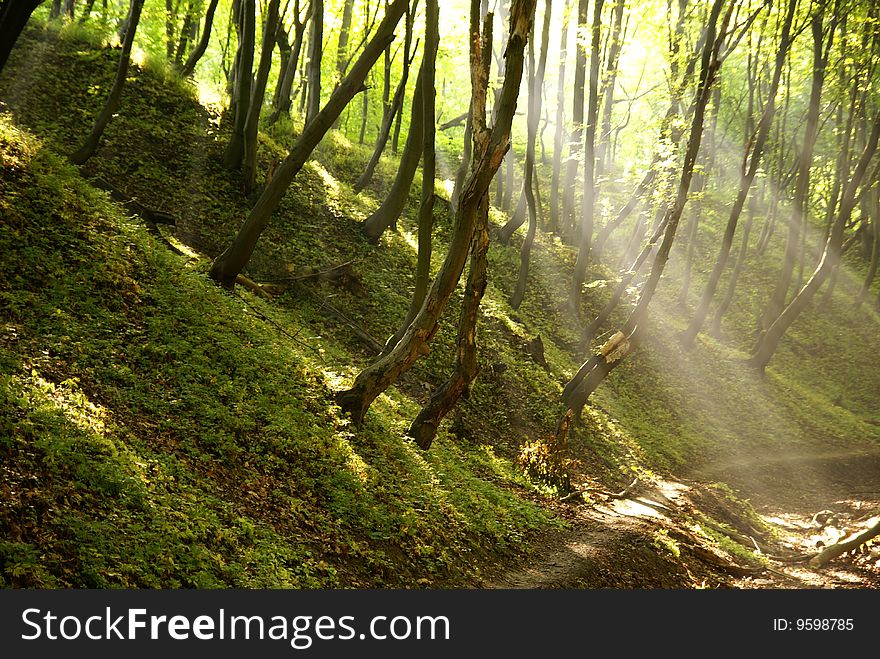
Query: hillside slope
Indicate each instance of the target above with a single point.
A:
(159, 432)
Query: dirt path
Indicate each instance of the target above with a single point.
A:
(632, 542)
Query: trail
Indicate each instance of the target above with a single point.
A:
(623, 543)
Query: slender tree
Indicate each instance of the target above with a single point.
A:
(536, 82)
(395, 201)
(490, 145)
(114, 100)
(800, 203)
(316, 36)
(429, 166)
(613, 352)
(747, 177)
(558, 138)
(234, 153)
(234, 258)
(198, 52)
(588, 206)
(577, 120)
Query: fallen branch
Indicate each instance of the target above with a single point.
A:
(604, 493)
(833, 551)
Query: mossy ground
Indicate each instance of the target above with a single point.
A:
(160, 432)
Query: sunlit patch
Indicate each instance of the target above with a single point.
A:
(76, 407)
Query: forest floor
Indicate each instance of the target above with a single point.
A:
(809, 500)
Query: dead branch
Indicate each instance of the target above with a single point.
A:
(833, 551)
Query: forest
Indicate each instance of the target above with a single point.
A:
(408, 294)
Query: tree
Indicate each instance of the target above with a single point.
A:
(316, 36)
(536, 82)
(230, 263)
(747, 177)
(611, 354)
(114, 100)
(393, 204)
(429, 167)
(769, 340)
(14, 15)
(589, 200)
(240, 104)
(490, 145)
(190, 66)
(577, 120)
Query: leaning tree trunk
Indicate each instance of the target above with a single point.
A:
(748, 176)
(111, 107)
(615, 350)
(493, 144)
(536, 83)
(588, 205)
(395, 107)
(394, 203)
(189, 66)
(429, 167)
(769, 341)
(230, 263)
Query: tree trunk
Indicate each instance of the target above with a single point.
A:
(14, 15)
(748, 176)
(395, 201)
(190, 66)
(429, 167)
(314, 66)
(800, 210)
(613, 352)
(536, 82)
(284, 95)
(258, 93)
(114, 100)
(609, 81)
(577, 131)
(588, 205)
(769, 341)
(558, 144)
(230, 263)
(393, 110)
(490, 146)
(234, 153)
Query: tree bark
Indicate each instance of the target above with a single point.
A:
(232, 261)
(490, 147)
(114, 100)
(284, 96)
